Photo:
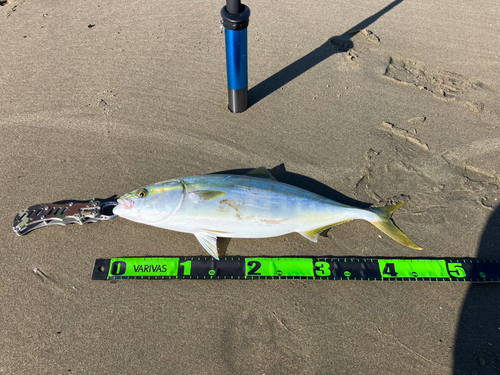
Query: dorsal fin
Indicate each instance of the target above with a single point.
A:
(262, 172)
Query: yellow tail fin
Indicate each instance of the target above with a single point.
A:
(386, 225)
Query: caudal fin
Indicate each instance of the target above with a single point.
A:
(385, 224)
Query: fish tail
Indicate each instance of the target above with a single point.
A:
(385, 224)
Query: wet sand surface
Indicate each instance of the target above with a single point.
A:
(370, 102)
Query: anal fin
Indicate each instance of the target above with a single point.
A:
(313, 234)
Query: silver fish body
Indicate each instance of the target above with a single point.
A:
(234, 206)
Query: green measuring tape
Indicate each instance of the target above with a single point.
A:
(293, 268)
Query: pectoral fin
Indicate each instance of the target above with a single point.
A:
(209, 243)
(313, 234)
(262, 172)
(205, 195)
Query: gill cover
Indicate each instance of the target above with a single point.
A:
(152, 203)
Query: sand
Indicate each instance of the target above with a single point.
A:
(366, 102)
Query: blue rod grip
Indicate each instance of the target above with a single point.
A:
(235, 18)
(236, 59)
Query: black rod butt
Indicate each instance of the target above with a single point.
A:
(238, 100)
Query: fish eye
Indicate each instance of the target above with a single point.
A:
(142, 193)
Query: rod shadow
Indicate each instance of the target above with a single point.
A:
(336, 44)
(477, 344)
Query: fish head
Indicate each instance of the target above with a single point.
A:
(151, 204)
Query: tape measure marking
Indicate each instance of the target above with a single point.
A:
(305, 268)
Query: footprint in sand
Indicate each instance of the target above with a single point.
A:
(444, 85)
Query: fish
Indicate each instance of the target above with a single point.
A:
(254, 205)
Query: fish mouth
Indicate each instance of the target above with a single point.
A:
(127, 204)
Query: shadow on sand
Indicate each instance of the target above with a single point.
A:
(336, 44)
(477, 345)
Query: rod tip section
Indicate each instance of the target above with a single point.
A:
(234, 6)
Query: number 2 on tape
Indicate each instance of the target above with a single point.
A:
(255, 268)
